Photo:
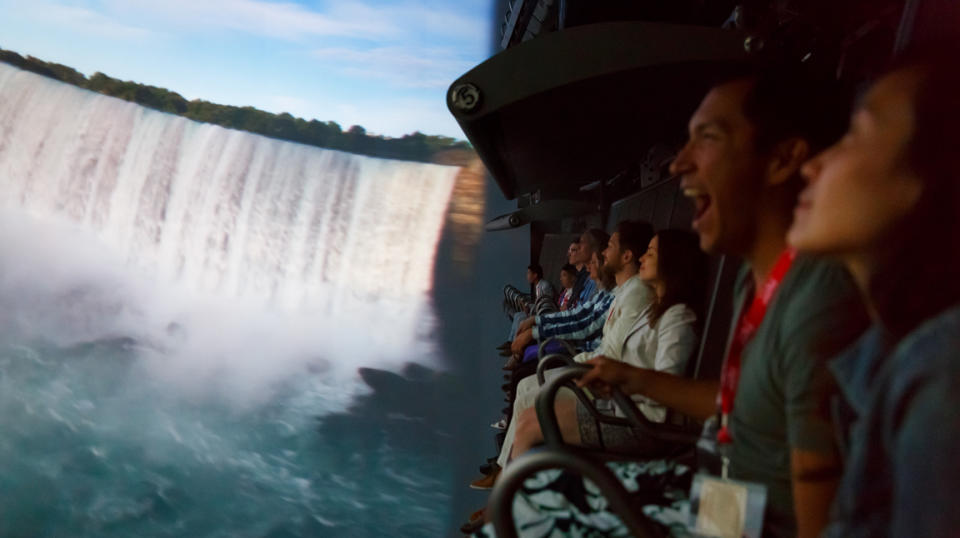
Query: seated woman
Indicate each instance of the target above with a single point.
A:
(885, 201)
(663, 339)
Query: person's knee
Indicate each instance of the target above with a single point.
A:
(568, 420)
(528, 427)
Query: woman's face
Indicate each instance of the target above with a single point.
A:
(859, 189)
(648, 262)
(567, 280)
(593, 266)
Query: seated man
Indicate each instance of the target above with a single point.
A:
(568, 277)
(741, 165)
(592, 240)
(542, 290)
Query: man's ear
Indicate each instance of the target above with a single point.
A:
(786, 159)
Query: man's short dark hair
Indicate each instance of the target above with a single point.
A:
(788, 100)
(569, 268)
(537, 270)
(635, 235)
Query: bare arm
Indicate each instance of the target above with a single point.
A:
(521, 341)
(815, 476)
(696, 398)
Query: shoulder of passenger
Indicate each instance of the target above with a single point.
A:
(817, 287)
(932, 348)
(679, 313)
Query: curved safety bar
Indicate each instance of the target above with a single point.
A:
(553, 360)
(547, 416)
(570, 349)
(500, 505)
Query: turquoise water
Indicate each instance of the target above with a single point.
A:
(94, 444)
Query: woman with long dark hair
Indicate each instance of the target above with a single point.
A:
(885, 201)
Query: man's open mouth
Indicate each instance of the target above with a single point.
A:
(701, 201)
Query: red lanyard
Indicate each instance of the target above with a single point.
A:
(750, 320)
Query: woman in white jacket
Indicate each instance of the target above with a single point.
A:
(664, 338)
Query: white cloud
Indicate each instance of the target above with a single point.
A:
(292, 21)
(398, 66)
(413, 18)
(282, 20)
(76, 18)
(402, 56)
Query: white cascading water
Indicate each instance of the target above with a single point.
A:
(181, 302)
(221, 210)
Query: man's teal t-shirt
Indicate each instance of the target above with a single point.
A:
(784, 393)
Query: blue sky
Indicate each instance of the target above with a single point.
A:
(382, 64)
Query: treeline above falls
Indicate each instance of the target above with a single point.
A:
(412, 147)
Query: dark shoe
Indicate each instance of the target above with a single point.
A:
(504, 346)
(487, 481)
(475, 523)
(505, 387)
(486, 468)
(506, 353)
(512, 363)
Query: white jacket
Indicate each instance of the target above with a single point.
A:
(666, 347)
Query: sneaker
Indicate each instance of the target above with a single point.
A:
(500, 424)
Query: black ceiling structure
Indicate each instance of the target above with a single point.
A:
(551, 114)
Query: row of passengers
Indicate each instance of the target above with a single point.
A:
(581, 323)
(578, 290)
(582, 326)
(740, 166)
(880, 201)
(649, 320)
(652, 324)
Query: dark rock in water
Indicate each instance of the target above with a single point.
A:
(410, 410)
(112, 342)
(417, 372)
(382, 380)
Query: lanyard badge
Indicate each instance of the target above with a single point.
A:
(724, 507)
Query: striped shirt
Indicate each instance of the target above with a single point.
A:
(584, 322)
